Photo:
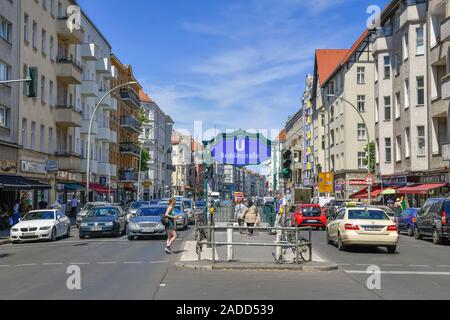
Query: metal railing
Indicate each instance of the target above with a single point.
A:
(285, 233)
(226, 214)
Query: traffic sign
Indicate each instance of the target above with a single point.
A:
(326, 181)
(370, 179)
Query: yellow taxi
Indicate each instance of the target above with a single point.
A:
(364, 226)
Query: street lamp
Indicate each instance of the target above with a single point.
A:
(140, 156)
(368, 138)
(88, 169)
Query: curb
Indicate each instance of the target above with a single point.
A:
(4, 241)
(252, 267)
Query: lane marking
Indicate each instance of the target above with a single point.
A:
(133, 262)
(26, 265)
(443, 266)
(392, 265)
(425, 273)
(363, 264)
(156, 262)
(80, 263)
(419, 265)
(52, 263)
(5, 265)
(107, 262)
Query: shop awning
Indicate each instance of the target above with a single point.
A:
(364, 194)
(98, 188)
(420, 188)
(73, 186)
(20, 183)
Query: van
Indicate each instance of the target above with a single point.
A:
(432, 220)
(322, 201)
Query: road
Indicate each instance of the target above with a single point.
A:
(120, 269)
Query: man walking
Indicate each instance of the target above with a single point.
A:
(239, 211)
(74, 206)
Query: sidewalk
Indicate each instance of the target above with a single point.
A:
(245, 257)
(4, 237)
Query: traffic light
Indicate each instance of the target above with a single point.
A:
(287, 162)
(32, 84)
(209, 171)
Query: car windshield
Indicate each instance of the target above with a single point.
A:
(41, 215)
(151, 212)
(166, 203)
(340, 203)
(311, 212)
(188, 204)
(200, 204)
(89, 206)
(101, 212)
(367, 215)
(153, 202)
(138, 204)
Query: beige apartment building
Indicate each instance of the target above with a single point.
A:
(294, 142)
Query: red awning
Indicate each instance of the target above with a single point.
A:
(420, 188)
(98, 188)
(364, 194)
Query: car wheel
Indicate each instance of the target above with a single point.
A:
(392, 249)
(131, 238)
(329, 241)
(417, 234)
(68, 232)
(15, 242)
(341, 246)
(53, 238)
(410, 231)
(437, 239)
(81, 236)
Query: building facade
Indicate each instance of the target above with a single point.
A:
(182, 163)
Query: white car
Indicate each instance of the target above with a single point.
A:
(41, 225)
(365, 226)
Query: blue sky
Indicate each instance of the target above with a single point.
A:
(229, 63)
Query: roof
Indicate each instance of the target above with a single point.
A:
(282, 137)
(144, 97)
(327, 60)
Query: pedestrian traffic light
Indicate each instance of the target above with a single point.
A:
(287, 162)
(32, 83)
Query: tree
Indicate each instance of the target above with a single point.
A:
(143, 119)
(145, 159)
(372, 157)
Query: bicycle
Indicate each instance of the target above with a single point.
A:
(201, 234)
(288, 250)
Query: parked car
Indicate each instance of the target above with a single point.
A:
(334, 206)
(41, 225)
(432, 220)
(190, 209)
(322, 201)
(393, 213)
(103, 221)
(147, 221)
(134, 206)
(369, 226)
(82, 214)
(182, 222)
(407, 221)
(310, 215)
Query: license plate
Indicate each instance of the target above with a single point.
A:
(148, 230)
(28, 234)
(372, 229)
(96, 228)
(312, 221)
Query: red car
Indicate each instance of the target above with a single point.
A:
(310, 215)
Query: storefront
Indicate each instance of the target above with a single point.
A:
(418, 194)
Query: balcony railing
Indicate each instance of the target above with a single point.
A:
(68, 71)
(130, 97)
(130, 149)
(74, 36)
(68, 116)
(69, 161)
(445, 29)
(131, 123)
(446, 87)
(89, 88)
(128, 177)
(88, 52)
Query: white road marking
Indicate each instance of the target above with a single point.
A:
(419, 265)
(363, 264)
(79, 263)
(425, 273)
(107, 262)
(26, 265)
(52, 263)
(132, 262)
(5, 265)
(392, 265)
(162, 285)
(156, 262)
(443, 266)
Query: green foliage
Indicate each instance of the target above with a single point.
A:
(145, 159)
(372, 157)
(142, 117)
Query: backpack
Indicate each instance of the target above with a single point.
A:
(164, 221)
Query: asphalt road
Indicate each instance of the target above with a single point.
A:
(120, 269)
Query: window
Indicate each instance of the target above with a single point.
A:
(34, 35)
(60, 11)
(50, 94)
(52, 8)
(361, 132)
(406, 90)
(388, 149)
(52, 49)
(398, 149)
(377, 110)
(50, 140)
(24, 132)
(4, 121)
(361, 159)
(44, 42)
(331, 87)
(44, 5)
(405, 46)
(25, 74)
(332, 138)
(397, 105)
(43, 89)
(376, 70)
(407, 143)
(387, 67)
(42, 138)
(398, 63)
(342, 134)
(420, 44)
(33, 135)
(361, 101)
(332, 114)
(387, 108)
(361, 72)
(377, 151)
(323, 142)
(5, 71)
(26, 35)
(322, 119)
(421, 140)
(420, 91)
(5, 29)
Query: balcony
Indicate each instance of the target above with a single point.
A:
(103, 66)
(89, 88)
(68, 72)
(103, 169)
(130, 149)
(383, 39)
(114, 103)
(128, 176)
(113, 138)
(130, 97)
(446, 87)
(106, 102)
(88, 52)
(68, 161)
(68, 116)
(438, 54)
(74, 36)
(104, 134)
(5, 95)
(413, 11)
(85, 127)
(445, 30)
(446, 151)
(113, 168)
(92, 163)
(130, 123)
(112, 75)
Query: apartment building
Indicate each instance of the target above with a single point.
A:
(157, 138)
(182, 163)
(294, 142)
(9, 93)
(125, 154)
(275, 181)
(350, 83)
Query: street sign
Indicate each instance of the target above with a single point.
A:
(326, 180)
(370, 179)
(239, 148)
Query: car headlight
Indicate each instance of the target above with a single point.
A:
(180, 218)
(45, 228)
(14, 230)
(109, 224)
(134, 226)
(83, 224)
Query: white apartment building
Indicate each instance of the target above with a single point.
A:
(182, 163)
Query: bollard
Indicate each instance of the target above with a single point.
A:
(230, 247)
(278, 249)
